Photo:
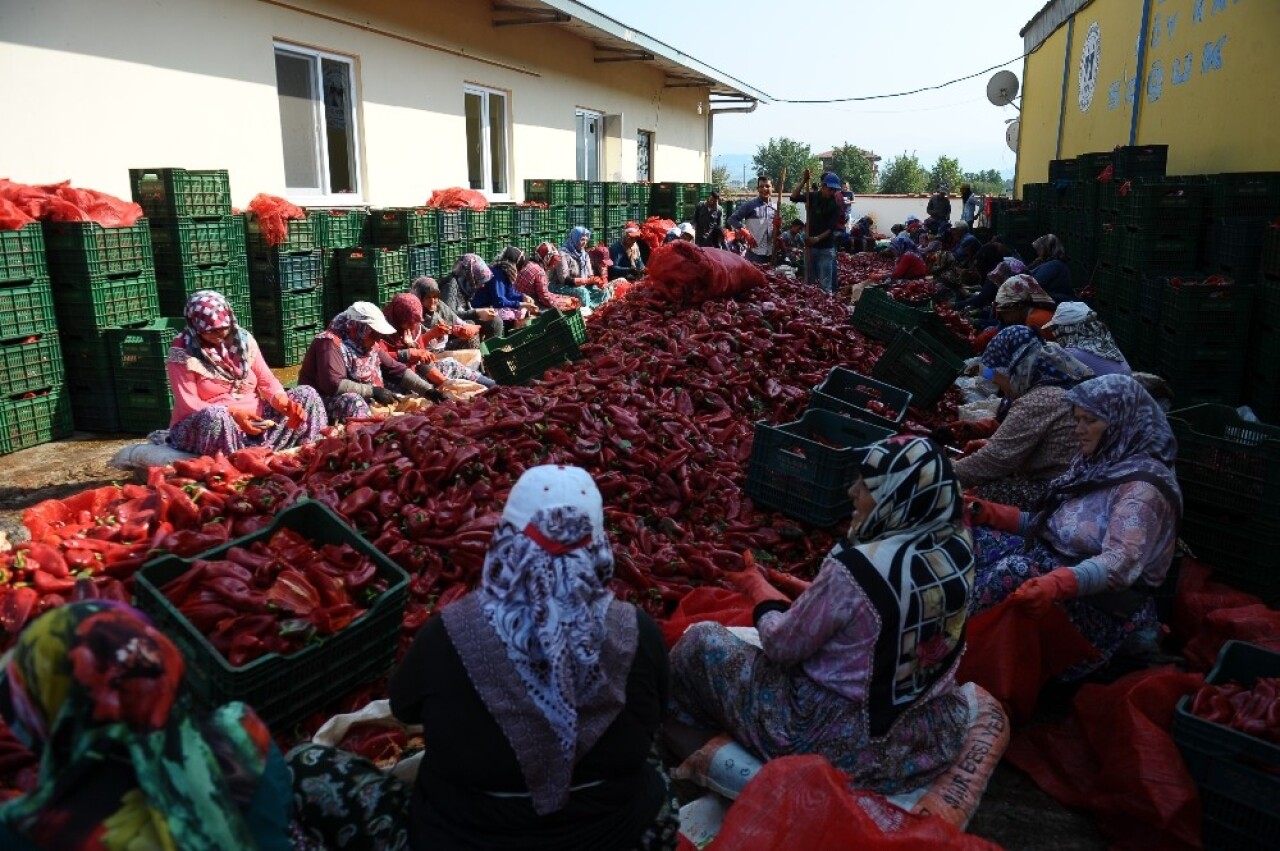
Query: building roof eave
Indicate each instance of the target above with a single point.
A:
(1045, 22)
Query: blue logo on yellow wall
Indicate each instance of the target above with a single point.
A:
(1090, 60)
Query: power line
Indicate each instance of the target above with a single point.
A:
(905, 94)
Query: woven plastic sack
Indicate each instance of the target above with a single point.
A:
(805, 802)
(725, 607)
(1114, 757)
(683, 273)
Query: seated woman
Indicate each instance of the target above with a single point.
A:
(412, 342)
(499, 292)
(1050, 268)
(532, 280)
(854, 669)
(1102, 540)
(448, 331)
(991, 281)
(629, 254)
(1079, 330)
(470, 273)
(573, 275)
(1021, 301)
(346, 365)
(965, 246)
(225, 398)
(95, 690)
(909, 262)
(539, 694)
(1033, 438)
(862, 234)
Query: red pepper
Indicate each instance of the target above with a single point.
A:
(332, 590)
(49, 560)
(356, 501)
(15, 609)
(333, 619)
(291, 592)
(47, 583)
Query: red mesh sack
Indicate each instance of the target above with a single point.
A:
(654, 231)
(273, 214)
(1012, 655)
(12, 217)
(1114, 757)
(682, 273)
(107, 210)
(725, 607)
(456, 198)
(805, 802)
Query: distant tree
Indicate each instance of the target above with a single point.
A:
(851, 163)
(904, 176)
(770, 159)
(988, 182)
(945, 170)
(720, 178)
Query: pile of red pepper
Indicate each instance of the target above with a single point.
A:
(661, 410)
(1255, 711)
(274, 596)
(382, 744)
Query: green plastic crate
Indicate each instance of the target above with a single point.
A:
(1228, 464)
(144, 403)
(30, 365)
(1213, 313)
(339, 228)
(919, 364)
(287, 348)
(1146, 161)
(424, 260)
(22, 254)
(529, 352)
(195, 242)
(547, 191)
(289, 311)
(524, 220)
(880, 317)
(502, 220)
(110, 302)
(279, 271)
(29, 422)
(577, 192)
(486, 249)
(79, 251)
(393, 226)
(364, 272)
(301, 236)
(144, 349)
(93, 404)
(26, 309)
(615, 194)
(849, 394)
(229, 279)
(285, 689)
(452, 226)
(557, 224)
(638, 193)
(171, 193)
(804, 469)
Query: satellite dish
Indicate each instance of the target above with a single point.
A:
(1011, 135)
(1002, 88)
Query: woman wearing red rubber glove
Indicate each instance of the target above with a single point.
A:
(1103, 538)
(855, 669)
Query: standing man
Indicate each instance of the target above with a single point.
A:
(939, 209)
(708, 222)
(757, 217)
(824, 211)
(970, 210)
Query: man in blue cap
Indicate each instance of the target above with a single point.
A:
(825, 217)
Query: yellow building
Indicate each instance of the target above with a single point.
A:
(348, 102)
(1190, 74)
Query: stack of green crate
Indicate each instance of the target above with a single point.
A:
(103, 279)
(374, 274)
(638, 201)
(143, 395)
(335, 229)
(30, 356)
(286, 282)
(1204, 326)
(479, 240)
(1262, 384)
(666, 200)
(194, 239)
(418, 231)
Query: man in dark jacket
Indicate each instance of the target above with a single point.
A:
(938, 210)
(708, 222)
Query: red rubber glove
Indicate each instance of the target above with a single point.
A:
(417, 356)
(435, 376)
(436, 332)
(1035, 596)
(744, 235)
(1002, 518)
(245, 421)
(291, 409)
(752, 584)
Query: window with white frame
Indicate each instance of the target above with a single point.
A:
(486, 114)
(318, 122)
(590, 129)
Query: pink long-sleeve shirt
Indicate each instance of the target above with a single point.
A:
(195, 387)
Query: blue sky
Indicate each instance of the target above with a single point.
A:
(812, 50)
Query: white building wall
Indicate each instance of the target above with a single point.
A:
(95, 88)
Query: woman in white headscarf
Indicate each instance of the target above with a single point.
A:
(1087, 339)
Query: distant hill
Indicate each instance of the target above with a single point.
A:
(735, 163)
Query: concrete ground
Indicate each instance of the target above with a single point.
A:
(1014, 812)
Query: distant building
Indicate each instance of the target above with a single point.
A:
(828, 157)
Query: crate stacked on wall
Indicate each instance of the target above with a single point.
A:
(286, 282)
(33, 402)
(417, 233)
(196, 243)
(373, 273)
(666, 200)
(103, 279)
(138, 355)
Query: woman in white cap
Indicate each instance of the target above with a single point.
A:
(345, 365)
(687, 232)
(539, 695)
(1079, 330)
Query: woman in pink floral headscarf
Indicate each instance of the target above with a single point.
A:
(225, 398)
